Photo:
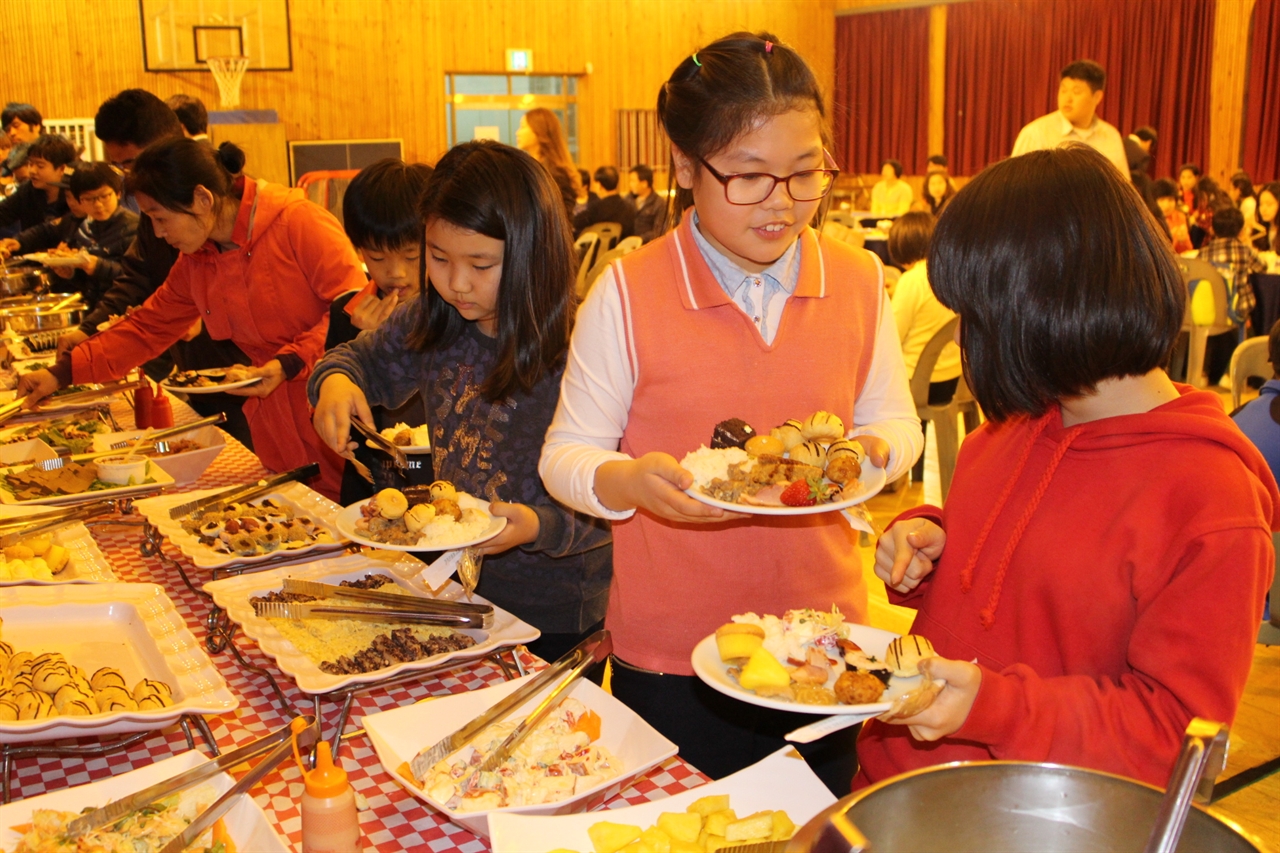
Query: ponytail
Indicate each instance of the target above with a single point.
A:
(169, 172)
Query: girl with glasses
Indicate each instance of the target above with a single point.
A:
(743, 312)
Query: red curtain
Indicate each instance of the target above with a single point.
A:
(1262, 104)
(1004, 59)
(882, 90)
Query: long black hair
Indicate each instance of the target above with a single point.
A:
(503, 193)
(1061, 278)
(724, 89)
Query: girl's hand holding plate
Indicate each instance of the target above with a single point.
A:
(951, 707)
(272, 374)
(523, 526)
(655, 482)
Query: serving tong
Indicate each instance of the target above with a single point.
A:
(397, 455)
(241, 493)
(78, 397)
(49, 522)
(277, 745)
(568, 669)
(306, 610)
(170, 432)
(316, 589)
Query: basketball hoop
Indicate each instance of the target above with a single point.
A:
(228, 72)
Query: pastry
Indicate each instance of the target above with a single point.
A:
(823, 426)
(443, 490)
(51, 677)
(107, 677)
(809, 453)
(789, 434)
(854, 687)
(737, 640)
(8, 709)
(417, 495)
(844, 461)
(906, 652)
(35, 705)
(759, 445)
(731, 433)
(391, 503)
(418, 517)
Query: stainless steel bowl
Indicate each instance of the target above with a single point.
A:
(33, 299)
(27, 319)
(1010, 806)
(16, 282)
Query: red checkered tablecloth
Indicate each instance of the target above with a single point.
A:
(394, 820)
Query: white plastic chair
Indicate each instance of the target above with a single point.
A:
(587, 246)
(1193, 269)
(1251, 358)
(630, 244)
(624, 248)
(610, 233)
(943, 418)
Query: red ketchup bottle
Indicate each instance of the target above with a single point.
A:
(161, 411)
(142, 399)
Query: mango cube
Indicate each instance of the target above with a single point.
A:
(656, 840)
(783, 828)
(763, 670)
(736, 641)
(758, 825)
(709, 805)
(609, 837)
(681, 826)
(717, 822)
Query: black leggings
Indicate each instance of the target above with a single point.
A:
(720, 735)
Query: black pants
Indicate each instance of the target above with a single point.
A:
(720, 735)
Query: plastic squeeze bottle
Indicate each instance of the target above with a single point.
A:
(142, 405)
(329, 820)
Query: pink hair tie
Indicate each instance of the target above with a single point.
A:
(768, 47)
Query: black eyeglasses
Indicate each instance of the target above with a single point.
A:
(755, 187)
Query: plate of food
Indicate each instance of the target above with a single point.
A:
(810, 662)
(799, 468)
(62, 256)
(408, 439)
(97, 479)
(322, 655)
(766, 802)
(420, 518)
(70, 434)
(100, 659)
(291, 519)
(610, 742)
(211, 381)
(245, 825)
(67, 555)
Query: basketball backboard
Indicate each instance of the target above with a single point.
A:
(179, 35)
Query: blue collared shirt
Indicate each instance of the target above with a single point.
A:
(762, 295)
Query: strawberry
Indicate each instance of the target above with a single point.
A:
(803, 493)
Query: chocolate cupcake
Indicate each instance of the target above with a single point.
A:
(731, 433)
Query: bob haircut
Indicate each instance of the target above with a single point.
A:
(170, 171)
(135, 117)
(909, 237)
(503, 193)
(735, 83)
(57, 150)
(92, 176)
(380, 207)
(1061, 278)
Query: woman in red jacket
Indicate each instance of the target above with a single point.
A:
(1096, 577)
(259, 266)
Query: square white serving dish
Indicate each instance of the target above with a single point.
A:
(133, 627)
(232, 595)
(400, 734)
(245, 821)
(186, 467)
(303, 500)
(160, 479)
(782, 782)
(25, 452)
(86, 564)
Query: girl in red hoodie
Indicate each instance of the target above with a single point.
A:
(1096, 576)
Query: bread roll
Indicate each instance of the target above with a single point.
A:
(906, 652)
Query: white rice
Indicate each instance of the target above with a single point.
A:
(445, 531)
(706, 464)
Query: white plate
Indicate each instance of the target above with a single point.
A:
(57, 260)
(86, 563)
(399, 735)
(346, 522)
(869, 485)
(130, 626)
(210, 389)
(303, 500)
(31, 419)
(246, 822)
(781, 782)
(715, 672)
(410, 449)
(186, 467)
(232, 595)
(160, 479)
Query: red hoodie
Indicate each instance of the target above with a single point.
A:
(1108, 579)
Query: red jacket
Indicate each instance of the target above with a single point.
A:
(270, 296)
(1130, 599)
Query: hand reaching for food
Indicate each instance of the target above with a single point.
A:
(522, 528)
(272, 374)
(35, 386)
(340, 401)
(954, 685)
(70, 340)
(655, 482)
(907, 551)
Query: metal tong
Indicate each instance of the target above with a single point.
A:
(244, 492)
(278, 742)
(317, 589)
(397, 455)
(44, 524)
(306, 610)
(91, 394)
(592, 650)
(212, 420)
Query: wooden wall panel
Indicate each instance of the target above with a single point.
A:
(375, 68)
(1227, 87)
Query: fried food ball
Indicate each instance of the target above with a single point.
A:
(446, 506)
(391, 503)
(854, 687)
(418, 517)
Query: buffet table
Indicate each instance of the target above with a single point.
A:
(394, 820)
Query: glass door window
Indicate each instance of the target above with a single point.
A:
(490, 106)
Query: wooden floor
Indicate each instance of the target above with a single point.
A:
(1255, 735)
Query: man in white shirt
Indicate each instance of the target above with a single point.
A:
(1076, 119)
(891, 196)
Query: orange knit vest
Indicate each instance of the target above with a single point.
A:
(697, 360)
